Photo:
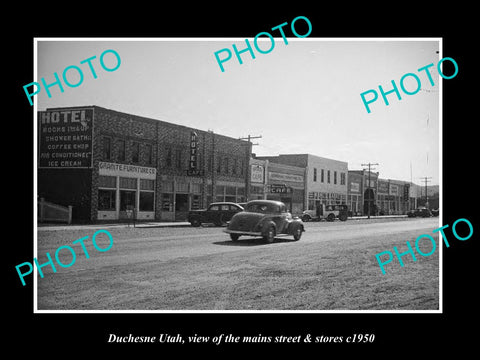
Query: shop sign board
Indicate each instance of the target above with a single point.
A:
(394, 189)
(406, 192)
(355, 187)
(125, 170)
(193, 151)
(382, 187)
(257, 174)
(279, 189)
(65, 138)
(276, 176)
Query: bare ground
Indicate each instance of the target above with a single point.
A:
(333, 267)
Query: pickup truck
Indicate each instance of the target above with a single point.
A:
(217, 213)
(327, 212)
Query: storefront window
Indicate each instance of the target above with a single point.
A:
(128, 183)
(146, 200)
(196, 188)
(220, 190)
(196, 202)
(106, 200)
(167, 202)
(230, 190)
(147, 184)
(127, 200)
(107, 181)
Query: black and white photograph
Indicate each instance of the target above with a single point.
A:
(266, 184)
(210, 181)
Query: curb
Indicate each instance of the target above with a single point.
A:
(110, 226)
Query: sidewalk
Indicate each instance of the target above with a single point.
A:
(160, 224)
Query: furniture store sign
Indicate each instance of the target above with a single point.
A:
(124, 170)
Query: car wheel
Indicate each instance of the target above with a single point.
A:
(330, 217)
(306, 218)
(195, 222)
(343, 217)
(234, 237)
(297, 233)
(270, 234)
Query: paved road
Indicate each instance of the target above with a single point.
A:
(200, 268)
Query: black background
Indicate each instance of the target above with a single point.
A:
(404, 334)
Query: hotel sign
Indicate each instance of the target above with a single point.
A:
(65, 138)
(193, 157)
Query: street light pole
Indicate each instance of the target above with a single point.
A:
(368, 187)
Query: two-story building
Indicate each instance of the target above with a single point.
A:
(108, 165)
(274, 181)
(325, 180)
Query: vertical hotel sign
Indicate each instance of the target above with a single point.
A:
(65, 138)
(193, 157)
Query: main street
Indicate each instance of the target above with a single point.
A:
(332, 267)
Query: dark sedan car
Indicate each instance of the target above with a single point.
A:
(419, 212)
(265, 218)
(217, 213)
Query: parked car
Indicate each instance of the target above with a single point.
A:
(419, 212)
(217, 213)
(266, 218)
(435, 212)
(327, 212)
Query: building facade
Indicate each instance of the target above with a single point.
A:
(109, 165)
(362, 192)
(325, 180)
(274, 181)
(382, 196)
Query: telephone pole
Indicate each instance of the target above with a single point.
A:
(248, 154)
(369, 192)
(427, 180)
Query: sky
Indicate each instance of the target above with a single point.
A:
(301, 97)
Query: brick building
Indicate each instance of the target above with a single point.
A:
(108, 164)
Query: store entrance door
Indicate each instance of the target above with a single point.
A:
(181, 207)
(127, 202)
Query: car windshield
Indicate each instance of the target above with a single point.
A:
(262, 208)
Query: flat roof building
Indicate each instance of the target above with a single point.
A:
(108, 164)
(325, 179)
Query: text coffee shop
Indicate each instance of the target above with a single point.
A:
(110, 165)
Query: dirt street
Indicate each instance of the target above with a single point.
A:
(332, 267)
